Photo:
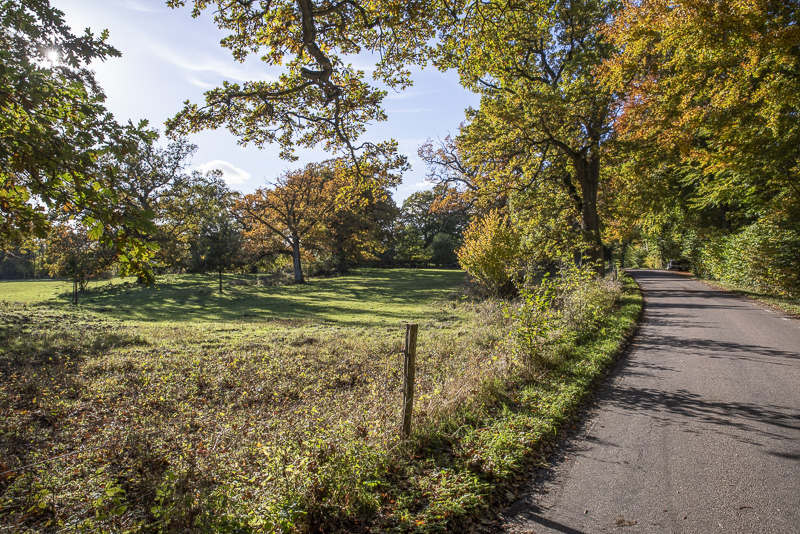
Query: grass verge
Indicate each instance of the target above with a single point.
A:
(472, 459)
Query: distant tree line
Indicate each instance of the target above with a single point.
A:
(308, 221)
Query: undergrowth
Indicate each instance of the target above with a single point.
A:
(286, 426)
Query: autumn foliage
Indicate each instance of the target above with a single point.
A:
(490, 253)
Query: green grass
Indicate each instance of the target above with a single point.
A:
(115, 420)
(33, 291)
(473, 458)
(366, 299)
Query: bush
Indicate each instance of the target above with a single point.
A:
(490, 254)
(764, 257)
(571, 304)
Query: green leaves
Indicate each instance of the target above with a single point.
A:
(317, 98)
(544, 119)
(717, 83)
(58, 143)
(491, 254)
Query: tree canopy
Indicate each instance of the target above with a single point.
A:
(296, 207)
(602, 124)
(319, 98)
(55, 131)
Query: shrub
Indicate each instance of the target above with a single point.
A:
(765, 256)
(571, 304)
(490, 254)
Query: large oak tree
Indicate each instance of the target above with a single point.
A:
(297, 206)
(318, 98)
(544, 118)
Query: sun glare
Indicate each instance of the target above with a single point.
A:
(53, 56)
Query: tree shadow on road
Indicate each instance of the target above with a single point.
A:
(710, 348)
(768, 420)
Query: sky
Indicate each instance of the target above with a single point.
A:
(168, 57)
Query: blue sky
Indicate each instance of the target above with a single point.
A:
(169, 57)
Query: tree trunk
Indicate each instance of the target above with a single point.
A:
(298, 270)
(341, 262)
(75, 291)
(587, 169)
(220, 281)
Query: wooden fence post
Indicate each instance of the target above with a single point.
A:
(409, 371)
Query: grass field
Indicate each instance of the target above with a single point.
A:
(370, 298)
(270, 409)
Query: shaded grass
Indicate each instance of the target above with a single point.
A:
(288, 424)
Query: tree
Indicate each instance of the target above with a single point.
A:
(543, 118)
(443, 250)
(190, 201)
(543, 115)
(219, 245)
(459, 180)
(147, 174)
(717, 83)
(358, 232)
(708, 136)
(446, 166)
(295, 208)
(54, 129)
(71, 253)
(409, 247)
(318, 99)
(435, 211)
(154, 180)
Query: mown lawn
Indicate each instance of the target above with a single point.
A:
(271, 409)
(371, 297)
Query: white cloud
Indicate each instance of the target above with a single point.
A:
(137, 5)
(232, 174)
(201, 84)
(423, 186)
(405, 189)
(227, 70)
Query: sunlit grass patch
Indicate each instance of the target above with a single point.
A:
(114, 424)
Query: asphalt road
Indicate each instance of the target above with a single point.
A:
(698, 431)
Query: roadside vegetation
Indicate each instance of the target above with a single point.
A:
(288, 422)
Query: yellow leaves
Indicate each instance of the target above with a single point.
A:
(490, 252)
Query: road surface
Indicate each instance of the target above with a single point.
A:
(698, 431)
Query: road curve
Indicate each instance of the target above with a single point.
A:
(698, 431)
